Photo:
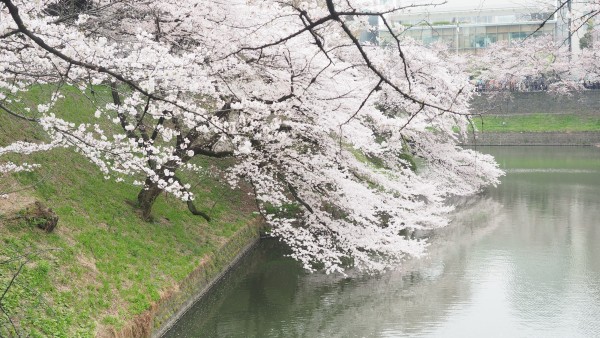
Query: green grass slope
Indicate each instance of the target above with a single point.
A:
(537, 123)
(102, 265)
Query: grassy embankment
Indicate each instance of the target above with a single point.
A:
(537, 123)
(102, 265)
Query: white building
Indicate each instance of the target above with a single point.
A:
(471, 25)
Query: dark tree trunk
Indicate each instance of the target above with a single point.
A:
(147, 197)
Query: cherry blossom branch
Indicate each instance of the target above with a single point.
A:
(14, 12)
(336, 16)
(30, 119)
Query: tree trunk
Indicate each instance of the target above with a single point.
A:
(147, 197)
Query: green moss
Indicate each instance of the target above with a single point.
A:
(373, 161)
(410, 161)
(289, 210)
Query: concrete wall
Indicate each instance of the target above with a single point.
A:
(585, 103)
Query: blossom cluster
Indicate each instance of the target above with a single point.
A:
(362, 139)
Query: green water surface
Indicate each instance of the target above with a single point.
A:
(519, 260)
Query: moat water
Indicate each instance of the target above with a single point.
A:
(519, 260)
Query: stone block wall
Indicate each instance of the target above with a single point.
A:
(532, 139)
(586, 103)
(174, 302)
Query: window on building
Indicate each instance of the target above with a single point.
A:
(430, 39)
(517, 36)
(506, 18)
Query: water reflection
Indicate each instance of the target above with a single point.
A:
(519, 260)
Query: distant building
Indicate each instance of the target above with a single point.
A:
(469, 28)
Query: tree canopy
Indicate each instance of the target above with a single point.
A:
(362, 139)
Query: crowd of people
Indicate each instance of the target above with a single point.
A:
(591, 84)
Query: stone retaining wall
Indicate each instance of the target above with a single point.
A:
(584, 103)
(532, 139)
(174, 303)
(203, 278)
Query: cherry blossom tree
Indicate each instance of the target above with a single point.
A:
(361, 139)
(510, 66)
(517, 65)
